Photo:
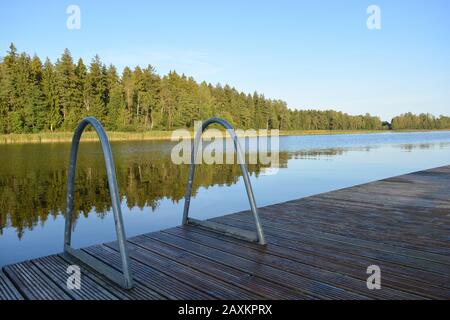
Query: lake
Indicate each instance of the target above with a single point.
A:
(33, 180)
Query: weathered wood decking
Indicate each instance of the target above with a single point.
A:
(319, 248)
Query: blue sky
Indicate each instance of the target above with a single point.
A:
(312, 54)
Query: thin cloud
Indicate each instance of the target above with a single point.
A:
(192, 63)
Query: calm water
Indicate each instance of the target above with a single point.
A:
(33, 184)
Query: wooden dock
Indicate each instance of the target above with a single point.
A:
(318, 248)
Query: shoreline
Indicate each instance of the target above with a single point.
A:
(90, 136)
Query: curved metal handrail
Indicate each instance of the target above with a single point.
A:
(251, 198)
(124, 278)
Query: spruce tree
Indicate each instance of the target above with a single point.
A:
(96, 90)
(67, 89)
(7, 88)
(128, 87)
(80, 93)
(51, 96)
(38, 109)
(116, 101)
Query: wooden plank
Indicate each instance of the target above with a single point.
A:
(334, 205)
(342, 221)
(300, 225)
(33, 283)
(419, 201)
(108, 272)
(191, 277)
(297, 223)
(344, 253)
(335, 263)
(312, 288)
(150, 277)
(264, 255)
(55, 268)
(225, 273)
(7, 290)
(138, 292)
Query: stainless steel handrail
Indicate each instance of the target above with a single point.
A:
(251, 198)
(124, 279)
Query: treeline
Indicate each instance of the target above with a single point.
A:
(38, 96)
(422, 121)
(332, 120)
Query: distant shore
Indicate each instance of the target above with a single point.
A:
(64, 137)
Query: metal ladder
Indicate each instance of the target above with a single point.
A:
(218, 227)
(124, 279)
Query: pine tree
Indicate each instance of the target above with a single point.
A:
(3, 103)
(81, 94)
(117, 113)
(67, 90)
(128, 86)
(96, 90)
(38, 108)
(21, 107)
(169, 100)
(54, 117)
(7, 88)
(139, 89)
(116, 102)
(205, 102)
(149, 98)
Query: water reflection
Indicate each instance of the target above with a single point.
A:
(33, 190)
(423, 146)
(33, 184)
(33, 178)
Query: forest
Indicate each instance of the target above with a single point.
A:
(38, 96)
(421, 122)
